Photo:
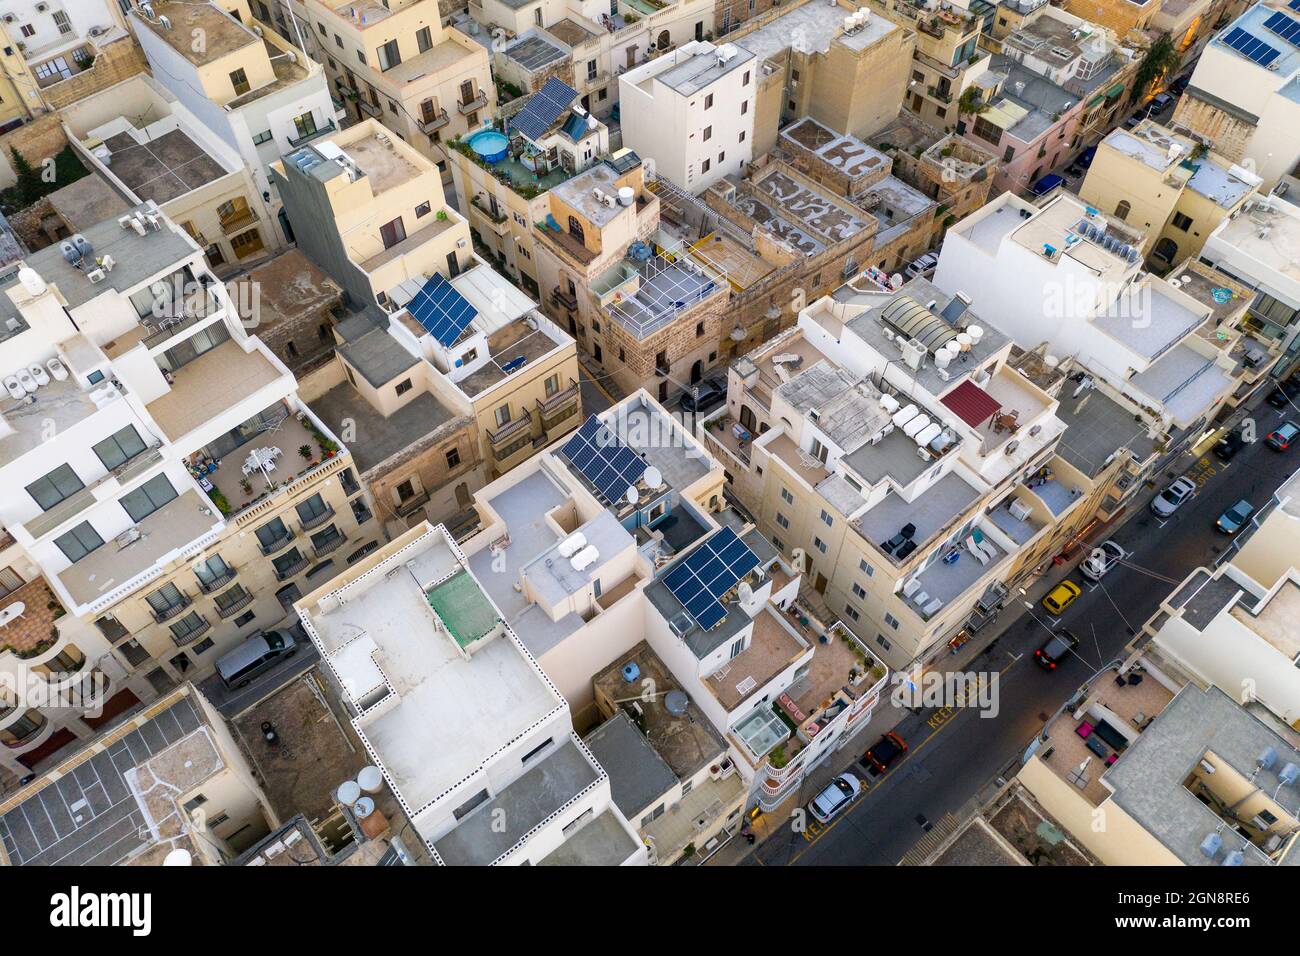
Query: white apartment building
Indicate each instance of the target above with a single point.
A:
(134, 395)
(473, 738)
(1242, 95)
(624, 601)
(1065, 276)
(691, 112)
(258, 93)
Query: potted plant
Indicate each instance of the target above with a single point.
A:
(305, 451)
(245, 486)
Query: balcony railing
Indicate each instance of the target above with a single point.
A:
(434, 121)
(330, 546)
(216, 584)
(411, 504)
(278, 544)
(316, 520)
(166, 614)
(236, 607)
(369, 108)
(510, 431)
(556, 403)
(308, 137)
(193, 635)
(566, 299)
(285, 573)
(238, 221)
(477, 103)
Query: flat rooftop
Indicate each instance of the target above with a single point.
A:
(290, 288)
(60, 404)
(1271, 251)
(1252, 22)
(1149, 778)
(1278, 621)
(602, 841)
(384, 437)
(1098, 427)
(380, 162)
(113, 807)
(800, 212)
(932, 511)
(638, 776)
(702, 69)
(451, 714)
(812, 28)
(164, 168)
(222, 34)
(225, 370)
(1184, 381)
(533, 51)
(506, 345)
(1151, 144)
(1151, 319)
(847, 154)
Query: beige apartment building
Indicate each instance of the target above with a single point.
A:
(397, 63)
(370, 211)
(1122, 16)
(1169, 186)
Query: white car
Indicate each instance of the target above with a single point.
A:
(1104, 557)
(839, 793)
(1172, 498)
(922, 265)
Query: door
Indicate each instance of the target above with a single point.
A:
(697, 371)
(463, 499)
(453, 265)
(747, 418)
(820, 585)
(916, 102)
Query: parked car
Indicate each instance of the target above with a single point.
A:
(923, 265)
(256, 656)
(1055, 648)
(1178, 86)
(1172, 498)
(839, 793)
(1226, 448)
(708, 395)
(1162, 102)
(1281, 396)
(1080, 163)
(1046, 184)
(1104, 557)
(888, 749)
(1136, 118)
(1061, 597)
(1280, 438)
(1232, 520)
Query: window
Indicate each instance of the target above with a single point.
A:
(1009, 154)
(305, 124)
(389, 56)
(880, 639)
(591, 69)
(392, 232)
(552, 385)
(866, 568)
(708, 101)
(272, 534)
(262, 137)
(58, 485)
(10, 582)
(423, 39)
(1122, 209)
(423, 210)
(699, 329)
(453, 457)
(148, 498)
(213, 572)
(704, 166)
(742, 137)
(78, 542)
(240, 621)
(405, 491)
(851, 611)
(858, 590)
(404, 386)
(819, 544)
(1182, 222)
(166, 599)
(288, 564)
(312, 509)
(744, 80)
(787, 497)
(119, 448)
(744, 108)
(708, 133)
(239, 80)
(339, 43)
(61, 21)
(361, 57)
(536, 750)
(827, 519)
(502, 415)
(188, 627)
(782, 520)
(28, 30)
(205, 645)
(229, 601)
(891, 620)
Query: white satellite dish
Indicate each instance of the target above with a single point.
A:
(653, 477)
(633, 496)
(896, 280)
(177, 857)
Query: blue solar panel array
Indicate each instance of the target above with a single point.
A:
(1288, 28)
(441, 310)
(1294, 4)
(700, 579)
(1251, 46)
(605, 461)
(545, 107)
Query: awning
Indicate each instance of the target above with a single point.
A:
(971, 403)
(1115, 90)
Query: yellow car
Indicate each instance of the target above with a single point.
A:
(1061, 597)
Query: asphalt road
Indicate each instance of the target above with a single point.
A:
(954, 753)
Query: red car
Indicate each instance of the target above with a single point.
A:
(886, 751)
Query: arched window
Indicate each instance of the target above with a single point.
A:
(1166, 249)
(1121, 211)
(664, 40)
(575, 229)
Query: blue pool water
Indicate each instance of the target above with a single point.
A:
(490, 145)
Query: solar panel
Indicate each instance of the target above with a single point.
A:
(700, 579)
(606, 462)
(1251, 46)
(441, 310)
(1294, 4)
(1286, 27)
(544, 108)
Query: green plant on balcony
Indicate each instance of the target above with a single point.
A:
(688, 851)
(777, 757)
(245, 486)
(221, 501)
(305, 451)
(877, 671)
(442, 215)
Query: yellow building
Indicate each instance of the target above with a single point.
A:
(396, 62)
(1167, 186)
(1121, 16)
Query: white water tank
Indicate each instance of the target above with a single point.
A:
(349, 792)
(901, 418)
(32, 281)
(928, 434)
(975, 332)
(626, 194)
(584, 558)
(572, 544)
(370, 780)
(913, 428)
(889, 404)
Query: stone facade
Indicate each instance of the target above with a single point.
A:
(1229, 133)
(115, 62)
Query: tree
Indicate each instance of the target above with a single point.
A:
(29, 187)
(1161, 59)
(970, 103)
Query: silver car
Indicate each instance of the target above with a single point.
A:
(1104, 557)
(839, 793)
(1172, 498)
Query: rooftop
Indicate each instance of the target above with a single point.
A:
(772, 648)
(1150, 317)
(930, 512)
(371, 350)
(1278, 620)
(289, 287)
(848, 154)
(58, 404)
(225, 370)
(1184, 381)
(380, 161)
(533, 51)
(385, 638)
(812, 28)
(1287, 58)
(638, 776)
(1098, 427)
(602, 841)
(384, 437)
(222, 34)
(704, 67)
(505, 346)
(800, 212)
(1270, 247)
(164, 168)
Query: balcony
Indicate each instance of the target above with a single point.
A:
(240, 220)
(511, 431)
(557, 407)
(566, 299)
(289, 571)
(432, 122)
(330, 545)
(204, 626)
(412, 504)
(225, 611)
(316, 520)
(369, 108)
(308, 137)
(477, 103)
(167, 614)
(216, 584)
(278, 545)
(31, 634)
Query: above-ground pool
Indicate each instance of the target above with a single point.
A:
(490, 145)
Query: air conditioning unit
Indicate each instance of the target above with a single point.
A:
(9, 18)
(42, 8)
(1019, 510)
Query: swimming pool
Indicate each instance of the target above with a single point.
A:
(491, 146)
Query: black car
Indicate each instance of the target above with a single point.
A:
(888, 749)
(1281, 396)
(707, 395)
(1057, 646)
(1226, 448)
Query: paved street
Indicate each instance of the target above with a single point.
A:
(954, 754)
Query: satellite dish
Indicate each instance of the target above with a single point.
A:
(177, 857)
(633, 496)
(896, 281)
(653, 477)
